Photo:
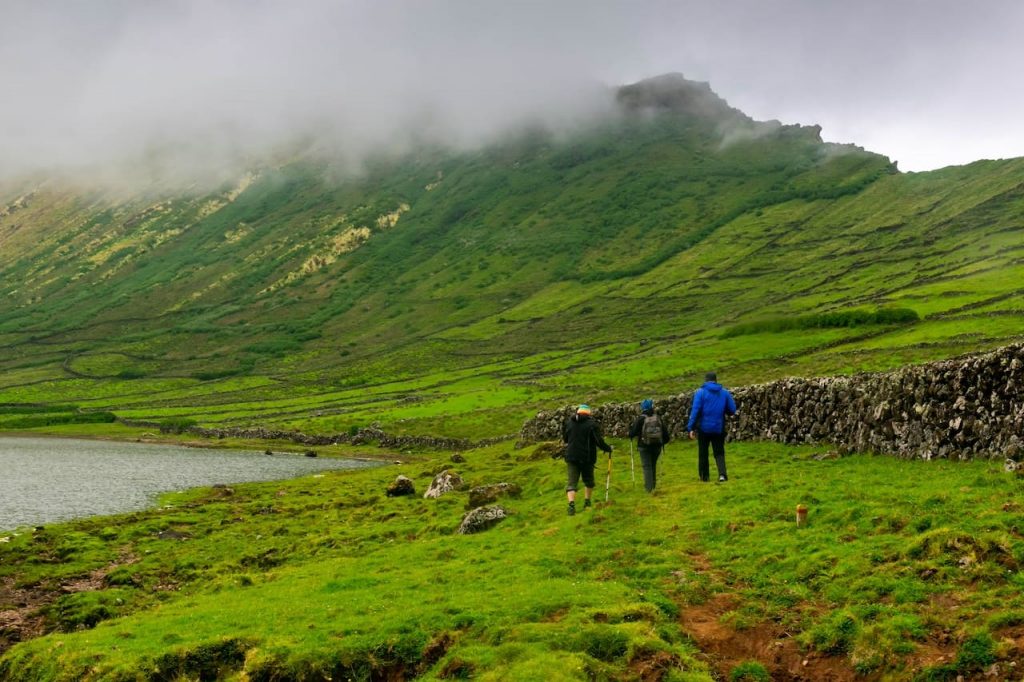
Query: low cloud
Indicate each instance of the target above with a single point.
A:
(192, 89)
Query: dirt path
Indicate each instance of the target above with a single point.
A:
(724, 647)
(21, 608)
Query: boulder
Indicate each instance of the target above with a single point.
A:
(401, 486)
(458, 459)
(488, 494)
(444, 482)
(551, 449)
(481, 518)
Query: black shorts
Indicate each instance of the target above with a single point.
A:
(575, 471)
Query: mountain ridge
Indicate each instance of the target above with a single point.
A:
(605, 263)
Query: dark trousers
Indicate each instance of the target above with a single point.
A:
(574, 471)
(717, 443)
(649, 461)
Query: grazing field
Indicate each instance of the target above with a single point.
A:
(456, 294)
(904, 571)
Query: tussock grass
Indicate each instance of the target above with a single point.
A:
(326, 576)
(536, 272)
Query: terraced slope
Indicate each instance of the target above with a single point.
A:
(454, 294)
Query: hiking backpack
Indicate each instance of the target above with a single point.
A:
(650, 433)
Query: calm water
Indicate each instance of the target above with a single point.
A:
(43, 480)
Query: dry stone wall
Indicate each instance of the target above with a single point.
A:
(370, 434)
(969, 407)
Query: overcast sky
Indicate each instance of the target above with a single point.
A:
(201, 82)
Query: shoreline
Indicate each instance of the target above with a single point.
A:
(292, 463)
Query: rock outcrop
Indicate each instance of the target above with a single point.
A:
(482, 518)
(969, 407)
(401, 486)
(547, 450)
(444, 482)
(488, 494)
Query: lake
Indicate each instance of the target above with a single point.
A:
(44, 480)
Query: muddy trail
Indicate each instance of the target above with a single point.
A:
(23, 609)
(724, 648)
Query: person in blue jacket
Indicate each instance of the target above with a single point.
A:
(711, 403)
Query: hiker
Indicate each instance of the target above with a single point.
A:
(582, 438)
(651, 433)
(711, 403)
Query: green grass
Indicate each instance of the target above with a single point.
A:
(535, 272)
(325, 573)
(844, 318)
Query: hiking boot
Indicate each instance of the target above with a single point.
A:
(572, 509)
(586, 503)
(722, 479)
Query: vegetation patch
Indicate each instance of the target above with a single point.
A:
(840, 319)
(326, 576)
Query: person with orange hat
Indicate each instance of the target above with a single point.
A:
(582, 437)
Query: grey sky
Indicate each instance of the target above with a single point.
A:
(197, 83)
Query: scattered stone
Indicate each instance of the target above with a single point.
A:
(552, 449)
(488, 494)
(458, 459)
(268, 451)
(401, 486)
(822, 456)
(444, 482)
(481, 519)
(1009, 466)
(172, 535)
(310, 453)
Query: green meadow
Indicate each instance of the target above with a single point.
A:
(455, 294)
(904, 571)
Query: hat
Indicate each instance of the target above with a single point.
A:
(646, 405)
(583, 409)
(710, 376)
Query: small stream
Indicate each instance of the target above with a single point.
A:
(44, 480)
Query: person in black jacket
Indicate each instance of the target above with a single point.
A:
(651, 433)
(582, 438)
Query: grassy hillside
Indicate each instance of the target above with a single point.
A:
(326, 578)
(454, 294)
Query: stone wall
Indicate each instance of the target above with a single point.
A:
(370, 434)
(969, 407)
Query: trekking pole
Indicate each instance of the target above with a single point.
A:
(608, 479)
(632, 467)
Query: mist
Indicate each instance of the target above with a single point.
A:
(192, 88)
(199, 89)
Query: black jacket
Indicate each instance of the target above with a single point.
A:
(637, 429)
(582, 437)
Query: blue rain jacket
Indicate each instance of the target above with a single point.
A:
(711, 403)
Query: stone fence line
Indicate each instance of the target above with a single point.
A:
(964, 408)
(370, 434)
